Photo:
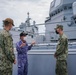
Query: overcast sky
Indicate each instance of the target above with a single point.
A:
(17, 10)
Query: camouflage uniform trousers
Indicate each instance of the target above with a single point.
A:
(6, 72)
(61, 67)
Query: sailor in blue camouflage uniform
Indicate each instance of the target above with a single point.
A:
(61, 52)
(22, 49)
(7, 57)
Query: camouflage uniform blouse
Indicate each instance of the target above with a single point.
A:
(7, 56)
(62, 48)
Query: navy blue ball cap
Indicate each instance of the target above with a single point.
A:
(23, 34)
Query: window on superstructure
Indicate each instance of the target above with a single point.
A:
(52, 15)
(65, 7)
(64, 18)
(52, 37)
(75, 19)
(58, 11)
(70, 7)
(61, 10)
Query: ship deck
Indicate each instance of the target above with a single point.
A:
(41, 61)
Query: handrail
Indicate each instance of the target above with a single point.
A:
(47, 52)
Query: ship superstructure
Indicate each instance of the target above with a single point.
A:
(61, 12)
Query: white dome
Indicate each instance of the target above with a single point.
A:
(74, 8)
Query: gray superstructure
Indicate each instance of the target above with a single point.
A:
(61, 12)
(26, 26)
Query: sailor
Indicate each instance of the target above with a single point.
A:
(61, 52)
(7, 57)
(22, 49)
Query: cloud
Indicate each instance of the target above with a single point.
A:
(17, 10)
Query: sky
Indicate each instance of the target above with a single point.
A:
(17, 10)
